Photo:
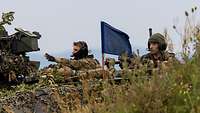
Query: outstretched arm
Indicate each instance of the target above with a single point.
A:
(62, 61)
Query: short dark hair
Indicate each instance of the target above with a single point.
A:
(83, 52)
(77, 44)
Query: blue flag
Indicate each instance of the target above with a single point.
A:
(114, 41)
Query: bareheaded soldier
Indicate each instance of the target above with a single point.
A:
(80, 60)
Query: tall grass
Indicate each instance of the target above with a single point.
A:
(174, 88)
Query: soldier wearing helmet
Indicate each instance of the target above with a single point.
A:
(80, 60)
(157, 46)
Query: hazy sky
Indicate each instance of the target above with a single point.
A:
(61, 22)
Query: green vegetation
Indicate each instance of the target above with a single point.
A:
(174, 88)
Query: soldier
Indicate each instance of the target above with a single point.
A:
(80, 61)
(158, 54)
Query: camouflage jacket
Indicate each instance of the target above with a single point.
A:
(164, 56)
(81, 64)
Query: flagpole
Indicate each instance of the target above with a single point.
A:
(103, 63)
(102, 47)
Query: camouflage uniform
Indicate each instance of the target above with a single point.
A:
(71, 67)
(163, 55)
(77, 67)
(14, 68)
(81, 64)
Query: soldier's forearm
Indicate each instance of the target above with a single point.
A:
(63, 61)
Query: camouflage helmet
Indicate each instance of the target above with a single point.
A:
(160, 39)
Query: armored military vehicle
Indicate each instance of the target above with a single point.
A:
(15, 65)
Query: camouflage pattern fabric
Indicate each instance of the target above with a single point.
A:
(164, 56)
(68, 69)
(14, 68)
(81, 64)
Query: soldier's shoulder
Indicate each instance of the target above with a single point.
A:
(169, 54)
(145, 56)
(90, 58)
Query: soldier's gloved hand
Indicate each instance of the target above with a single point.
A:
(49, 57)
